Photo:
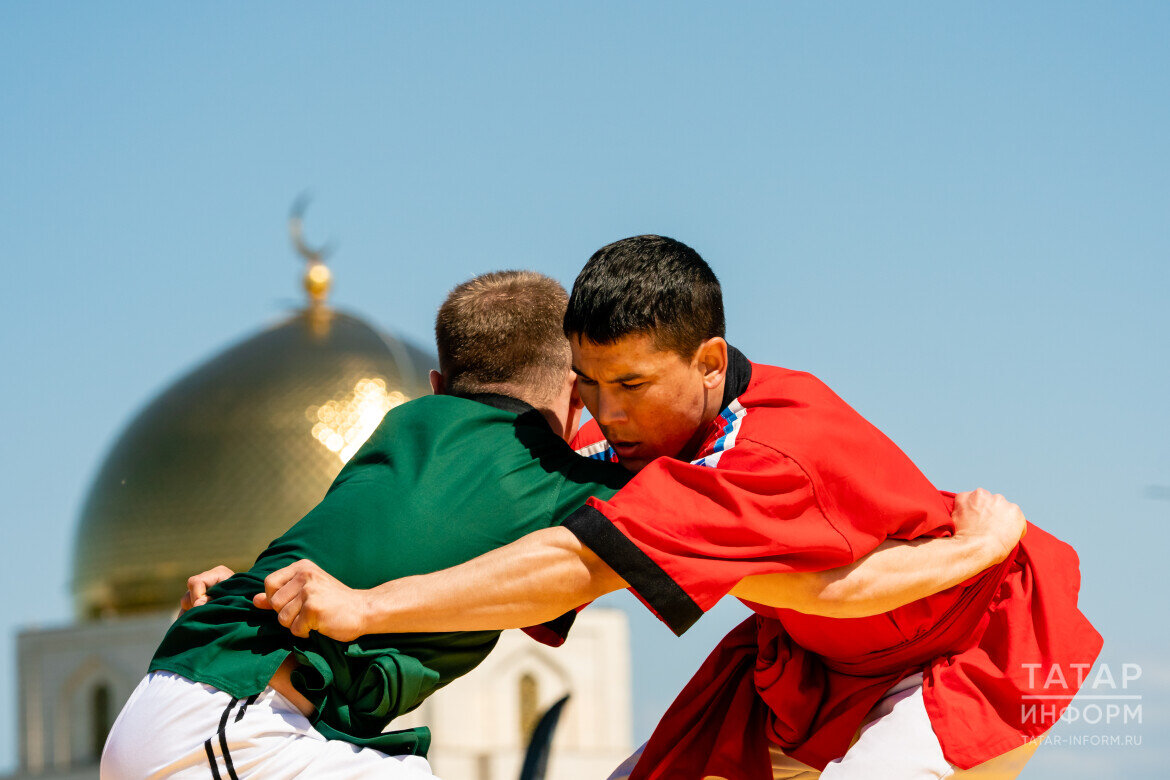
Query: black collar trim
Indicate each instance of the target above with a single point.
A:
(739, 376)
(503, 402)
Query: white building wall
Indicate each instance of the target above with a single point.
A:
(475, 720)
(58, 670)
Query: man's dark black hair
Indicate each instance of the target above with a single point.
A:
(647, 284)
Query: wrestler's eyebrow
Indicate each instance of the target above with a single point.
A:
(631, 376)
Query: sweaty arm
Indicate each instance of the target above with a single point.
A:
(549, 572)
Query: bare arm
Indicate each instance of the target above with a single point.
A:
(549, 572)
(537, 578)
(987, 528)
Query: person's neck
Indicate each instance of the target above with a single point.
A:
(559, 426)
(557, 421)
(712, 406)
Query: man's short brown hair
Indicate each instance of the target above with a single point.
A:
(502, 331)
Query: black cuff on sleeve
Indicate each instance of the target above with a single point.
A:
(670, 602)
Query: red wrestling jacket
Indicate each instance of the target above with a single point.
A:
(791, 479)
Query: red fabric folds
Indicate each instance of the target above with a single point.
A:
(981, 665)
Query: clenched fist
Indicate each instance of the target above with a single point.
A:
(197, 587)
(307, 598)
(991, 519)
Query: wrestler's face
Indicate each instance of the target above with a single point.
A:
(650, 402)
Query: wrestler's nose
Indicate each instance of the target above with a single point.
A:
(610, 409)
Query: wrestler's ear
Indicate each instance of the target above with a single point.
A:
(711, 361)
(576, 405)
(575, 402)
(437, 384)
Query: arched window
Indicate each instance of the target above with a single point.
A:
(100, 719)
(529, 696)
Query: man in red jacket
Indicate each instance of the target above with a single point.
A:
(766, 473)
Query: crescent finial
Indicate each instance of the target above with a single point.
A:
(318, 278)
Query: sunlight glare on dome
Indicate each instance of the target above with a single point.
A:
(344, 424)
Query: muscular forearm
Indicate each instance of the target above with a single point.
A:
(894, 574)
(533, 580)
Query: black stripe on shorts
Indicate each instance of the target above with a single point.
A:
(223, 745)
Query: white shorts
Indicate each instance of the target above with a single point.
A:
(173, 727)
(896, 742)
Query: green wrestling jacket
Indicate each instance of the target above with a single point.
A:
(442, 480)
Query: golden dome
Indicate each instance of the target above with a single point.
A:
(232, 454)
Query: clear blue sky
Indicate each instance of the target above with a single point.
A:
(959, 217)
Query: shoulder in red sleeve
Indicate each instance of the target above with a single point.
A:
(684, 534)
